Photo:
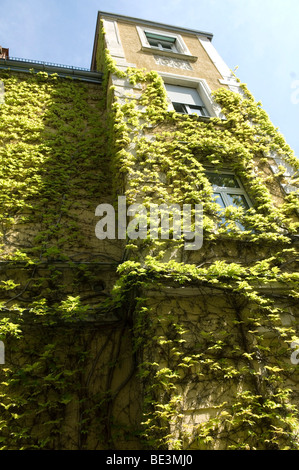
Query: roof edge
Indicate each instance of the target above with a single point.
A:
(26, 66)
(154, 23)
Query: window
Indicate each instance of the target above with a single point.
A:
(186, 100)
(228, 191)
(163, 43)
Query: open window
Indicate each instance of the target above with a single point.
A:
(165, 43)
(161, 42)
(186, 100)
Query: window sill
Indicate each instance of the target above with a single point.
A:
(175, 55)
(194, 116)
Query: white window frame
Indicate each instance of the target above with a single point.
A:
(188, 98)
(224, 190)
(180, 50)
(202, 88)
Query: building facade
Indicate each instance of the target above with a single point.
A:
(128, 331)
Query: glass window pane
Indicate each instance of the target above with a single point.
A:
(238, 200)
(167, 46)
(219, 200)
(200, 110)
(179, 108)
(153, 43)
(223, 180)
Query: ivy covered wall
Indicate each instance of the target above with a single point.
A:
(140, 343)
(62, 343)
(213, 328)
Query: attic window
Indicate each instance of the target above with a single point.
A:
(161, 42)
(165, 43)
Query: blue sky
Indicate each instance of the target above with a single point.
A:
(260, 37)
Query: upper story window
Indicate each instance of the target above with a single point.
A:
(186, 100)
(164, 43)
